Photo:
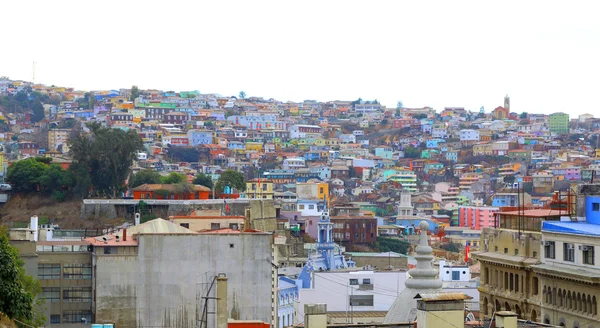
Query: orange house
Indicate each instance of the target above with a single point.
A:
(169, 191)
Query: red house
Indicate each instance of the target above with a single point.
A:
(176, 118)
(169, 191)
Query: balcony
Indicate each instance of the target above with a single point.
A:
(365, 287)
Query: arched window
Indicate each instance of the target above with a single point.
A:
(554, 296)
(569, 302)
(506, 306)
(533, 316)
(584, 307)
(594, 306)
(578, 308)
(589, 305)
(485, 306)
(560, 300)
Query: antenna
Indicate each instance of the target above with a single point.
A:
(33, 72)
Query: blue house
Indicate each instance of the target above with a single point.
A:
(452, 156)
(236, 146)
(287, 294)
(312, 155)
(384, 152)
(433, 143)
(199, 137)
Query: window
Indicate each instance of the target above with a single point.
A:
(366, 281)
(234, 226)
(495, 248)
(264, 187)
(77, 271)
(254, 186)
(516, 251)
(569, 252)
(361, 300)
(505, 250)
(588, 254)
(353, 282)
(549, 249)
(54, 318)
(48, 271)
(51, 294)
(455, 275)
(596, 207)
(185, 225)
(77, 294)
(321, 190)
(300, 207)
(215, 226)
(76, 316)
(311, 207)
(110, 250)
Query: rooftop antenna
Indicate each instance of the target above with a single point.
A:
(33, 72)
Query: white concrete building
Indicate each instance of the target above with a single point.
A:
(469, 135)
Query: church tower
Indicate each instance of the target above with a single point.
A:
(507, 103)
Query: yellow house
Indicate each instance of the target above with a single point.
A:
(482, 149)
(320, 142)
(259, 188)
(252, 145)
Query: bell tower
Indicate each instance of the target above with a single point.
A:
(507, 103)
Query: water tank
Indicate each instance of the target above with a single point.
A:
(97, 325)
(109, 325)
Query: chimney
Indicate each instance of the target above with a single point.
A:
(315, 315)
(222, 311)
(506, 319)
(124, 234)
(33, 226)
(137, 219)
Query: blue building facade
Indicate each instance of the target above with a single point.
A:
(287, 295)
(196, 137)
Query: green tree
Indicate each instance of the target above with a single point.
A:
(203, 180)
(523, 115)
(135, 92)
(231, 178)
(38, 112)
(56, 181)
(399, 104)
(25, 175)
(242, 94)
(510, 179)
(385, 244)
(145, 176)
(15, 301)
(412, 152)
(420, 116)
(108, 154)
(183, 154)
(173, 178)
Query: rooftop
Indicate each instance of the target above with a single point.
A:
(575, 228)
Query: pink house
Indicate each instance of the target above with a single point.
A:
(477, 217)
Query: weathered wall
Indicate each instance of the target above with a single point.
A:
(164, 284)
(262, 215)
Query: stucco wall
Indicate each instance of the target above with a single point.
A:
(164, 284)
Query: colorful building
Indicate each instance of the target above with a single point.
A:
(170, 191)
(558, 123)
(476, 217)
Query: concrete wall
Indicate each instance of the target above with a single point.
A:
(164, 283)
(381, 262)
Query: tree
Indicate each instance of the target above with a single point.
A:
(399, 104)
(203, 180)
(523, 115)
(25, 175)
(232, 179)
(38, 112)
(135, 92)
(183, 154)
(412, 152)
(145, 176)
(108, 155)
(15, 301)
(242, 94)
(420, 116)
(56, 181)
(392, 245)
(173, 178)
(398, 112)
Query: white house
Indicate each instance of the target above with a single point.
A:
(348, 138)
(358, 133)
(294, 163)
(358, 291)
(469, 135)
(310, 207)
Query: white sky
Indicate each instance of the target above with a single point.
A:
(544, 54)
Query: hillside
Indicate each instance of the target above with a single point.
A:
(21, 207)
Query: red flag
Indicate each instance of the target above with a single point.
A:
(467, 250)
(226, 206)
(259, 182)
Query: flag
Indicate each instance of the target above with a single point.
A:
(258, 182)
(226, 206)
(467, 250)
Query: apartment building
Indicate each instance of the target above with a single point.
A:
(477, 217)
(58, 139)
